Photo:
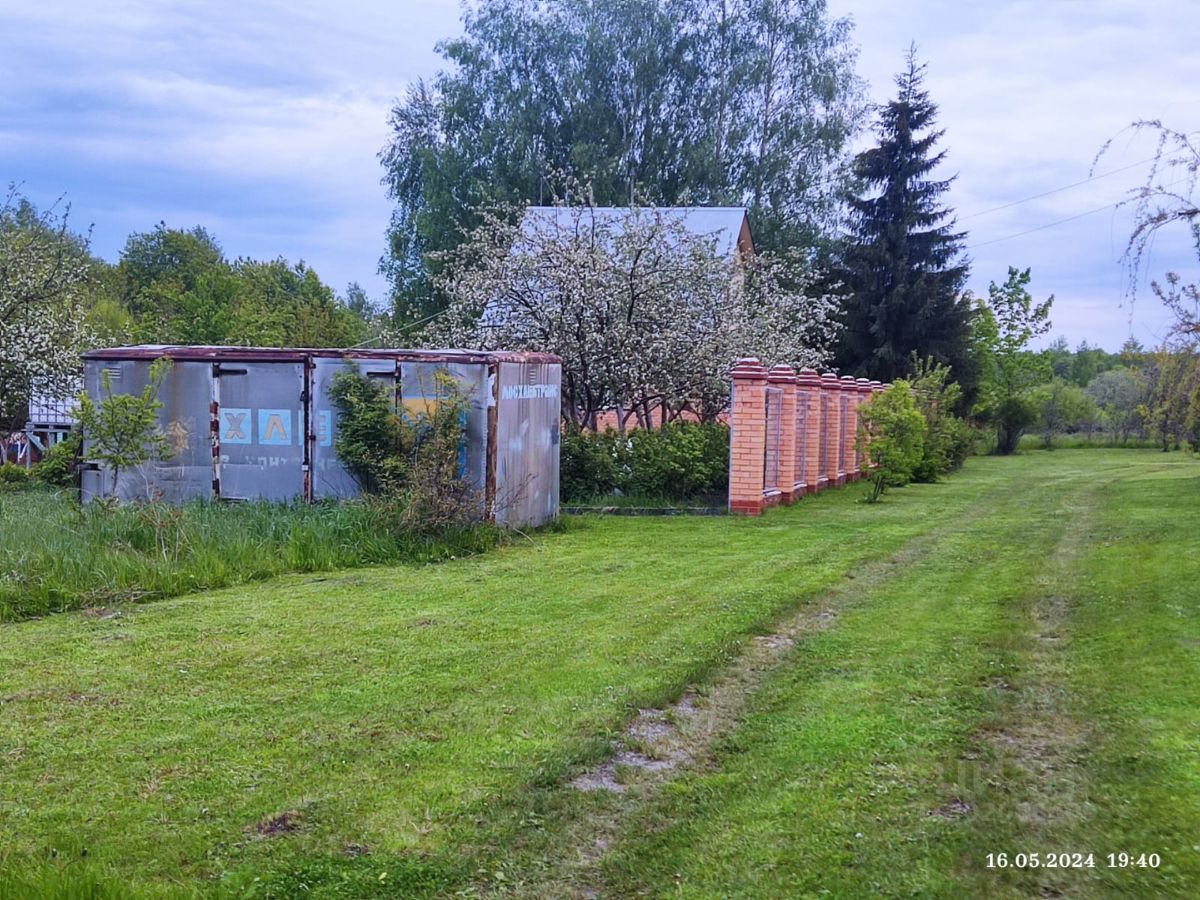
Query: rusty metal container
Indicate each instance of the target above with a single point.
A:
(249, 423)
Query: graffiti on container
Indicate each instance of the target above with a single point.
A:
(179, 436)
(262, 462)
(270, 427)
(528, 391)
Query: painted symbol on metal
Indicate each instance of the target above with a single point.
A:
(178, 436)
(236, 425)
(275, 427)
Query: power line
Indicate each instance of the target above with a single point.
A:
(1058, 190)
(1112, 205)
(1047, 225)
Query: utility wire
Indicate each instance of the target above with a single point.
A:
(1047, 225)
(1065, 187)
(1090, 212)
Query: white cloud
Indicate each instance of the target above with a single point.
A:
(1028, 92)
(233, 114)
(262, 121)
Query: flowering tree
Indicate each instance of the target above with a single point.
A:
(646, 315)
(43, 270)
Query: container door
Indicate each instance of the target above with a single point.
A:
(329, 477)
(184, 421)
(261, 430)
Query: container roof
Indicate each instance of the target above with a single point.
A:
(297, 354)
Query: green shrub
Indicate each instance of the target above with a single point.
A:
(122, 429)
(60, 465)
(591, 465)
(892, 431)
(412, 465)
(948, 439)
(679, 461)
(13, 476)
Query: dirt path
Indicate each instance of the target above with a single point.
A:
(660, 743)
(1026, 768)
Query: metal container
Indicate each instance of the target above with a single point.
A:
(249, 423)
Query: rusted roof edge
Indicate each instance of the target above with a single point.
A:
(299, 354)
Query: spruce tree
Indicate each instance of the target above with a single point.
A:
(903, 265)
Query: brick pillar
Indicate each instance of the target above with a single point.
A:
(808, 411)
(849, 428)
(831, 423)
(747, 436)
(784, 378)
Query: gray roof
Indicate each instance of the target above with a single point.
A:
(723, 222)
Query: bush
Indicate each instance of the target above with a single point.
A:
(948, 439)
(13, 476)
(60, 466)
(892, 431)
(1061, 408)
(590, 465)
(678, 461)
(1012, 416)
(412, 466)
(122, 429)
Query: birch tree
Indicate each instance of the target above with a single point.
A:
(1166, 201)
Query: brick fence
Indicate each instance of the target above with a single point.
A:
(791, 433)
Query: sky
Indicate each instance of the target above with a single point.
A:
(262, 121)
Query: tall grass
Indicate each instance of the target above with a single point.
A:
(56, 555)
(1098, 441)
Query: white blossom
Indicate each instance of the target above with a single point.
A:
(43, 271)
(646, 315)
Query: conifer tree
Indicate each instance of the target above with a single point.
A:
(903, 265)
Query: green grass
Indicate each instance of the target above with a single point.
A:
(432, 715)
(933, 726)
(55, 555)
(639, 501)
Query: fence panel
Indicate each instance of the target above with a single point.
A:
(774, 412)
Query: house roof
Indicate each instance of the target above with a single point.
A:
(728, 224)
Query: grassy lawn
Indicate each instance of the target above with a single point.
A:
(1012, 668)
(1031, 686)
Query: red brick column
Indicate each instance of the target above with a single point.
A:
(784, 378)
(747, 436)
(831, 426)
(808, 397)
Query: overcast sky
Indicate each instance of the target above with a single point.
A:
(262, 121)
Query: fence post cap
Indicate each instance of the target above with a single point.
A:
(808, 377)
(781, 374)
(832, 376)
(748, 368)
